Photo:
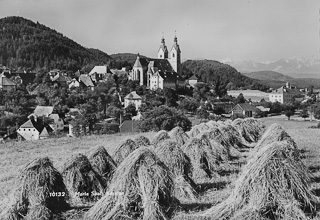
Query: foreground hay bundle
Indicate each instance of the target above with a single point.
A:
(40, 192)
(141, 188)
(274, 184)
(178, 135)
(123, 150)
(202, 157)
(102, 163)
(274, 132)
(160, 137)
(81, 180)
(212, 124)
(180, 166)
(142, 141)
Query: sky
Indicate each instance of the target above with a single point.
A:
(259, 30)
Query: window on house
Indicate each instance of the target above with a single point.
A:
(173, 55)
(160, 56)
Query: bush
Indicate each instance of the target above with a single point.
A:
(163, 118)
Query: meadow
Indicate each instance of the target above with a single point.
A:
(14, 155)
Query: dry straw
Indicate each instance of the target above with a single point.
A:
(203, 158)
(178, 135)
(160, 137)
(102, 163)
(123, 150)
(250, 129)
(33, 196)
(274, 184)
(232, 136)
(142, 141)
(141, 188)
(180, 166)
(212, 124)
(196, 130)
(80, 177)
(274, 132)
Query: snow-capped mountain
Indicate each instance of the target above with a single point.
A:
(297, 67)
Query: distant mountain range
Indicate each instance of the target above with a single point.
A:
(307, 67)
(276, 80)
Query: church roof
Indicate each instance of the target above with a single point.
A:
(161, 64)
(168, 76)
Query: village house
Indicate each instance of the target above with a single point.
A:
(60, 80)
(99, 73)
(192, 80)
(86, 81)
(55, 122)
(6, 84)
(284, 94)
(162, 72)
(244, 109)
(133, 98)
(34, 129)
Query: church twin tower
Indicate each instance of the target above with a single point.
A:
(175, 54)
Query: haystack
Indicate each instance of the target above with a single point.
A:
(250, 129)
(274, 184)
(123, 150)
(211, 124)
(202, 157)
(141, 188)
(81, 180)
(142, 141)
(222, 154)
(197, 129)
(180, 166)
(160, 137)
(33, 197)
(232, 136)
(274, 132)
(102, 163)
(178, 135)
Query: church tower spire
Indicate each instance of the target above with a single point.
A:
(163, 51)
(175, 59)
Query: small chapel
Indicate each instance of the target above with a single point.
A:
(162, 72)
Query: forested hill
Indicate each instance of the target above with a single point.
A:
(219, 74)
(28, 45)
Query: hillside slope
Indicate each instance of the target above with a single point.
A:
(275, 79)
(25, 44)
(219, 74)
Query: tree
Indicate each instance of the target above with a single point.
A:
(163, 118)
(171, 97)
(289, 113)
(240, 99)
(189, 105)
(202, 113)
(304, 114)
(130, 111)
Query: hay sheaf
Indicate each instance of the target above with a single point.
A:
(203, 158)
(232, 136)
(141, 188)
(180, 166)
(160, 137)
(81, 180)
(249, 128)
(34, 196)
(212, 124)
(274, 184)
(142, 141)
(274, 132)
(178, 135)
(123, 150)
(196, 130)
(102, 163)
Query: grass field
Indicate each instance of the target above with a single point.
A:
(14, 155)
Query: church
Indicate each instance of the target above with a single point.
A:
(162, 72)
